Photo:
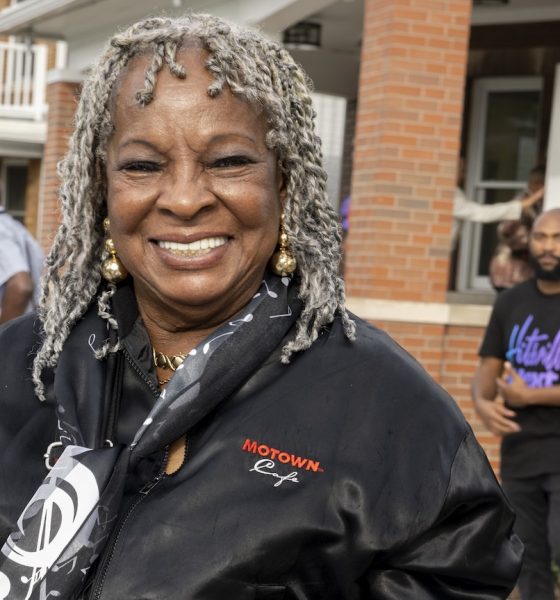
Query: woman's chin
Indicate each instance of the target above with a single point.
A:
(202, 293)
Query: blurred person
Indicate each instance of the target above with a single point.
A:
(511, 263)
(21, 264)
(344, 213)
(535, 185)
(516, 393)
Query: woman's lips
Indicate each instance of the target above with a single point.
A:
(193, 249)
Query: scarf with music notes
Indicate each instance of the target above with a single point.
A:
(64, 528)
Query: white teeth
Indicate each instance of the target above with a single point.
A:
(193, 248)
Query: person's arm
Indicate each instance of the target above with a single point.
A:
(469, 551)
(516, 392)
(496, 417)
(467, 210)
(17, 295)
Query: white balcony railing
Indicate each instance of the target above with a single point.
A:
(23, 70)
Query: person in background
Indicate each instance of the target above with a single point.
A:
(344, 212)
(21, 264)
(535, 186)
(516, 392)
(511, 263)
(465, 210)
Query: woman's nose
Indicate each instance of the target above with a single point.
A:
(186, 194)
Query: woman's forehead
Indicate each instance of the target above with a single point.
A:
(182, 108)
(194, 60)
(168, 87)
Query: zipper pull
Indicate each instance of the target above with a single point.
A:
(151, 485)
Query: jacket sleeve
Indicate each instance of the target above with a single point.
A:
(27, 426)
(468, 552)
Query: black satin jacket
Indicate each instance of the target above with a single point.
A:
(347, 474)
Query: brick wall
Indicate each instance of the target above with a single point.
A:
(62, 101)
(410, 104)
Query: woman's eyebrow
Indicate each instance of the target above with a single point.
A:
(225, 137)
(137, 141)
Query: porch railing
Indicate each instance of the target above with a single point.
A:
(23, 70)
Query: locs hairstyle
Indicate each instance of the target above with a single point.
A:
(254, 68)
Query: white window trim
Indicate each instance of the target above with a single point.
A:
(552, 196)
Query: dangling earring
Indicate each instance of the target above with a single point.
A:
(112, 268)
(283, 262)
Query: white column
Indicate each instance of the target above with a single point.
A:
(552, 186)
(61, 61)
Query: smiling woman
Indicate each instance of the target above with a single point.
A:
(194, 196)
(214, 424)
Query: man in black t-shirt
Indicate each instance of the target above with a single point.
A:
(516, 392)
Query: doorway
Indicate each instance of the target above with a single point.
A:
(502, 149)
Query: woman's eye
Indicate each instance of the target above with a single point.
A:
(142, 166)
(231, 161)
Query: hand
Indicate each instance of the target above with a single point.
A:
(532, 199)
(496, 417)
(513, 388)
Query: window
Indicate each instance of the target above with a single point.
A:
(329, 122)
(14, 187)
(503, 148)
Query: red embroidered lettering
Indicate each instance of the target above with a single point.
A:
(313, 465)
(284, 457)
(250, 446)
(300, 462)
(263, 450)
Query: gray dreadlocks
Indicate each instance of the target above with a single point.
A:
(254, 68)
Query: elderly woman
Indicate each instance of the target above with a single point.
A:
(194, 414)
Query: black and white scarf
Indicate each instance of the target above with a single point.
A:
(63, 529)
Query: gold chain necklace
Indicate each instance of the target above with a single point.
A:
(164, 361)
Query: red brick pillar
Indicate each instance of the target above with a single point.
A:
(405, 155)
(62, 102)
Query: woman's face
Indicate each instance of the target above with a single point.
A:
(194, 194)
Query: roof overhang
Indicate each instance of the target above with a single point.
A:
(26, 15)
(534, 12)
(22, 138)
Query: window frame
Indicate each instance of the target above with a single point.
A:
(467, 279)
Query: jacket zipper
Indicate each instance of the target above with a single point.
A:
(99, 580)
(104, 566)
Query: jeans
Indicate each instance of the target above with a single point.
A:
(536, 502)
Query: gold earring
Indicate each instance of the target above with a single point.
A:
(283, 262)
(112, 268)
